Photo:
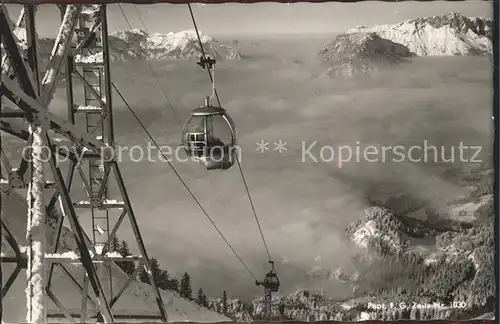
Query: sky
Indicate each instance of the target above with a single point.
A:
(266, 18)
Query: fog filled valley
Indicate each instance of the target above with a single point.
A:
(278, 96)
(339, 231)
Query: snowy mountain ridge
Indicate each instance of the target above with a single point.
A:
(442, 35)
(381, 229)
(136, 44)
(364, 50)
(361, 53)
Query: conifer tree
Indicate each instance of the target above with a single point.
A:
(199, 299)
(162, 280)
(173, 284)
(127, 266)
(281, 308)
(155, 271)
(250, 309)
(205, 301)
(115, 244)
(185, 287)
(143, 275)
(224, 302)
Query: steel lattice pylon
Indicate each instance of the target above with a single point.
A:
(268, 298)
(83, 35)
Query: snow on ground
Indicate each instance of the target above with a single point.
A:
(377, 224)
(467, 212)
(487, 316)
(365, 233)
(427, 249)
(138, 299)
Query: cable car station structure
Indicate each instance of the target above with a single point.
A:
(24, 84)
(25, 113)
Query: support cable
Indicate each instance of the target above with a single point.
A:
(170, 105)
(157, 146)
(182, 181)
(149, 65)
(1, 193)
(237, 160)
(1, 214)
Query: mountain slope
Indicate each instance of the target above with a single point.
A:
(361, 53)
(138, 299)
(450, 34)
(401, 260)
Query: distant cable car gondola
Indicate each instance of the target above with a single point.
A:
(271, 281)
(209, 136)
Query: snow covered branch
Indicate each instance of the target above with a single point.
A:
(35, 232)
(19, 36)
(59, 52)
(58, 124)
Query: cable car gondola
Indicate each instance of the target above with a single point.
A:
(271, 281)
(209, 136)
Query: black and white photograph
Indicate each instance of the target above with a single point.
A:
(241, 162)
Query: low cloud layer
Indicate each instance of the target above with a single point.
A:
(303, 206)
